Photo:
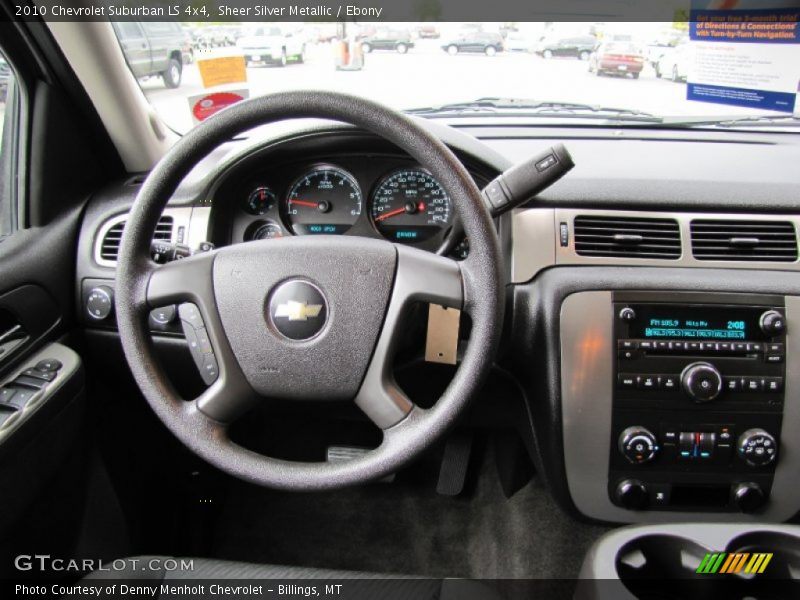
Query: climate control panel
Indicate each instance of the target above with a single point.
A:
(698, 401)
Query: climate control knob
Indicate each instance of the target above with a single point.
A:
(632, 494)
(772, 323)
(638, 444)
(701, 381)
(748, 496)
(757, 447)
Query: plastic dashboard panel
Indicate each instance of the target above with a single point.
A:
(536, 351)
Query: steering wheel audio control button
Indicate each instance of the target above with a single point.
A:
(199, 343)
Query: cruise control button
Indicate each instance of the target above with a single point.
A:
(191, 314)
(210, 370)
(203, 343)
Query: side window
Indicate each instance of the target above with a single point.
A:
(9, 115)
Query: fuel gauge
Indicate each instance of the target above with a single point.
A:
(260, 201)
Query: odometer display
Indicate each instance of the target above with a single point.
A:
(410, 206)
(325, 200)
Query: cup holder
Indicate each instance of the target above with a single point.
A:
(785, 550)
(661, 566)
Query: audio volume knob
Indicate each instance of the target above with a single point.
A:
(627, 314)
(100, 302)
(632, 494)
(701, 381)
(757, 447)
(749, 496)
(772, 323)
(638, 444)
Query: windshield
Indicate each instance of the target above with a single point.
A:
(538, 69)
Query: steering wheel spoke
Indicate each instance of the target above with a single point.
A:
(189, 283)
(420, 277)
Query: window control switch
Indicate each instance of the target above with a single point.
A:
(29, 382)
(43, 375)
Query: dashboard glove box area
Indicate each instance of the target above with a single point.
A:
(693, 560)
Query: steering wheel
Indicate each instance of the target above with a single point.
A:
(304, 318)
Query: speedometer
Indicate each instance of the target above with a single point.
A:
(325, 200)
(410, 206)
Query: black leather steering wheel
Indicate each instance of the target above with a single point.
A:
(357, 287)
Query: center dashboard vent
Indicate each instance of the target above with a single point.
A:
(627, 237)
(109, 248)
(763, 241)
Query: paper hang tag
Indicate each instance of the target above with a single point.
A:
(441, 343)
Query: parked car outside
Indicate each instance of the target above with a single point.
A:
(475, 41)
(675, 63)
(428, 32)
(575, 47)
(617, 58)
(397, 40)
(153, 49)
(270, 45)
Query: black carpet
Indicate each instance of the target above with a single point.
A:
(405, 527)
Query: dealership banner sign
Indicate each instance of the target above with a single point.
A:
(740, 56)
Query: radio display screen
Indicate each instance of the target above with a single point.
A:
(722, 323)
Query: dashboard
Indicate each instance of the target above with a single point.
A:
(665, 223)
(356, 188)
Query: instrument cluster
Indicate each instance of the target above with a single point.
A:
(394, 199)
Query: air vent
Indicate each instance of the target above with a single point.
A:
(627, 237)
(110, 245)
(764, 241)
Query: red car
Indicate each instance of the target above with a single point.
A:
(617, 58)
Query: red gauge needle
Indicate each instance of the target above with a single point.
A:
(304, 203)
(391, 213)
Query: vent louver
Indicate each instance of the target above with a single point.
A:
(764, 241)
(109, 248)
(627, 237)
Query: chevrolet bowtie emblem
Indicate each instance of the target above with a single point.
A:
(298, 311)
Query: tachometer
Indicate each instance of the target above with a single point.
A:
(410, 206)
(327, 199)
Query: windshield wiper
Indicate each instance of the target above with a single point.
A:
(519, 106)
(733, 122)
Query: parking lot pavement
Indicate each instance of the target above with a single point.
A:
(427, 75)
